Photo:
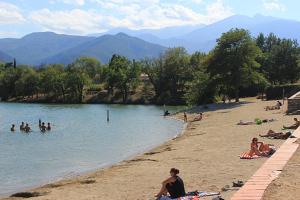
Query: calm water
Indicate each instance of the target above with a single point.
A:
(80, 140)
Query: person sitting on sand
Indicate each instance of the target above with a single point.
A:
(279, 135)
(27, 128)
(276, 107)
(294, 126)
(43, 127)
(22, 127)
(173, 185)
(48, 127)
(198, 118)
(260, 149)
(13, 129)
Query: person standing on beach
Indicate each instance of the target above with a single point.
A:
(185, 119)
(173, 185)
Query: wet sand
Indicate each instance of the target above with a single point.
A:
(206, 154)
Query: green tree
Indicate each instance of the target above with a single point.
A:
(53, 82)
(76, 80)
(122, 75)
(232, 62)
(87, 65)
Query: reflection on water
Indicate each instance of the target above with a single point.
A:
(80, 140)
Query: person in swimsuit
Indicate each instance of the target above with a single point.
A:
(43, 127)
(40, 123)
(279, 135)
(48, 127)
(13, 129)
(185, 119)
(173, 185)
(294, 126)
(198, 118)
(27, 128)
(259, 148)
(22, 127)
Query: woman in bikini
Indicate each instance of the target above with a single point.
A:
(259, 148)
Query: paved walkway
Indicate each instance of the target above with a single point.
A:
(255, 187)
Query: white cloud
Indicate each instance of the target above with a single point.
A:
(274, 5)
(74, 21)
(10, 14)
(74, 2)
(134, 14)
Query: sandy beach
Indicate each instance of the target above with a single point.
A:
(206, 154)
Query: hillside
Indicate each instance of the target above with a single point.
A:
(105, 46)
(35, 47)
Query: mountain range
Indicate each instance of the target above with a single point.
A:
(47, 47)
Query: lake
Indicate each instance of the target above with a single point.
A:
(81, 140)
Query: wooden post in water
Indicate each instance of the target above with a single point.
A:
(107, 115)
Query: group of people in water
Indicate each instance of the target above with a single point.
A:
(26, 128)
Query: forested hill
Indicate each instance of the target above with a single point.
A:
(239, 65)
(102, 48)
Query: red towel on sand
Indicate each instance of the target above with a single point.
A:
(246, 155)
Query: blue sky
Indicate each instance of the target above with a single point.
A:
(82, 17)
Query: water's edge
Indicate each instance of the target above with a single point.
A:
(74, 175)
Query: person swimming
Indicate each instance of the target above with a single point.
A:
(43, 127)
(13, 129)
(27, 128)
(173, 185)
(48, 127)
(22, 126)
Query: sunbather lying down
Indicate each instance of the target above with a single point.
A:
(260, 149)
(279, 135)
(256, 121)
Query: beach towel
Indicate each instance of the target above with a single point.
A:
(193, 196)
(246, 155)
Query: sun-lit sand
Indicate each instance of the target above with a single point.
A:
(206, 154)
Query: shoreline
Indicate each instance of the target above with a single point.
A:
(160, 158)
(105, 166)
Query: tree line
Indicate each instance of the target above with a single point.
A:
(237, 62)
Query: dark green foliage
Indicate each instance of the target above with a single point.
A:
(276, 91)
(280, 59)
(232, 63)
